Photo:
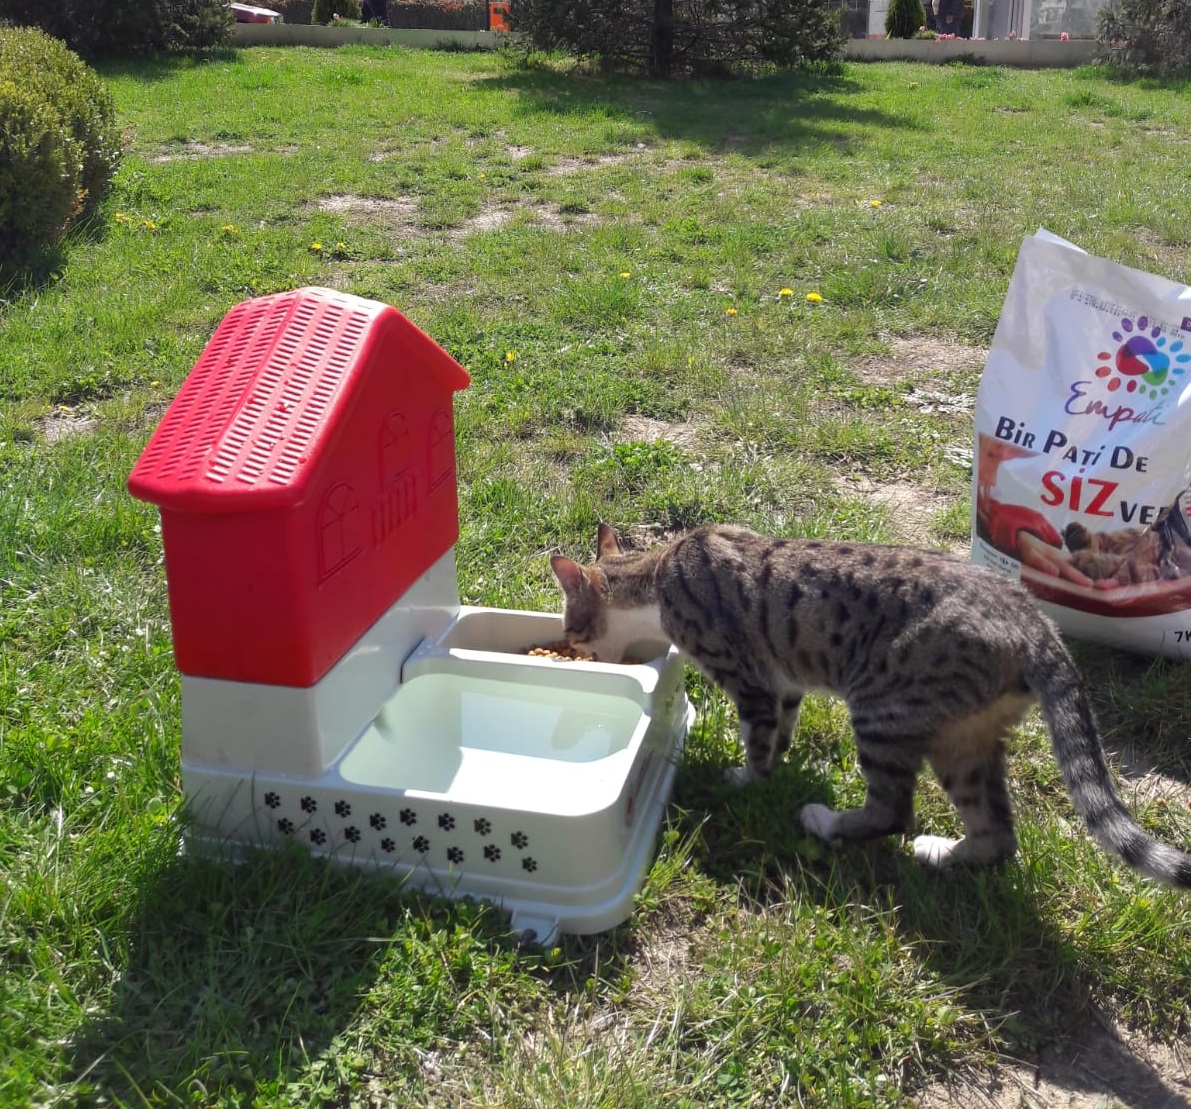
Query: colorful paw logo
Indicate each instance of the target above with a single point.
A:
(1144, 362)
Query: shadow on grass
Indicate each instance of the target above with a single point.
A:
(767, 116)
(990, 935)
(165, 67)
(283, 973)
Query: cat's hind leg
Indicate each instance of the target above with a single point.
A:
(890, 767)
(976, 783)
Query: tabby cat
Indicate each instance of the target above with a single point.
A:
(935, 658)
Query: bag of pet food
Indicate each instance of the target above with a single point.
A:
(1082, 464)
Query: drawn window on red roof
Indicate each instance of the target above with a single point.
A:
(396, 448)
(442, 448)
(339, 528)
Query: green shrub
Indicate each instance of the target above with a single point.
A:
(97, 28)
(46, 69)
(668, 37)
(1147, 36)
(40, 168)
(903, 18)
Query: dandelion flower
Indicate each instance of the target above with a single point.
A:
(341, 248)
(148, 225)
(875, 203)
(316, 247)
(729, 311)
(785, 293)
(625, 275)
(510, 356)
(815, 298)
(155, 382)
(228, 228)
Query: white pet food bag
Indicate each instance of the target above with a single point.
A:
(1082, 458)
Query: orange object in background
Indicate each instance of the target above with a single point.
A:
(498, 16)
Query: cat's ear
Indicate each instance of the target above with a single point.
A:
(569, 574)
(607, 542)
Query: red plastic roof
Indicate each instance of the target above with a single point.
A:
(264, 396)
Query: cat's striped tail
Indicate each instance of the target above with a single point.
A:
(1052, 674)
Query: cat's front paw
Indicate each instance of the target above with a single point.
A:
(819, 820)
(738, 776)
(935, 851)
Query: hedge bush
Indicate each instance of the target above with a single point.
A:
(673, 37)
(59, 144)
(903, 18)
(1147, 36)
(40, 168)
(46, 68)
(117, 28)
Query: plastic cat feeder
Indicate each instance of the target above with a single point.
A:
(335, 692)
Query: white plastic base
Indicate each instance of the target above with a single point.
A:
(534, 783)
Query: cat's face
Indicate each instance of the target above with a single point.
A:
(587, 617)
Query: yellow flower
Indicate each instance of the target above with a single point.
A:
(815, 298)
(228, 229)
(785, 292)
(341, 248)
(148, 225)
(154, 382)
(875, 203)
(625, 274)
(316, 247)
(510, 356)
(729, 311)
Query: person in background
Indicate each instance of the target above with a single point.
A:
(949, 15)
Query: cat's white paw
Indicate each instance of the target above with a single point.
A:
(819, 820)
(936, 851)
(738, 776)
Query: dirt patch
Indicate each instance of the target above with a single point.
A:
(644, 429)
(65, 424)
(188, 149)
(912, 508)
(566, 166)
(912, 356)
(400, 215)
(1103, 1068)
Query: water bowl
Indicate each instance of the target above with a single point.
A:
(535, 783)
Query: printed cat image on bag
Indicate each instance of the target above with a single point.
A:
(935, 658)
(1082, 468)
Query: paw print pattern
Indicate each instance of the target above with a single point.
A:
(529, 864)
(388, 846)
(377, 821)
(455, 855)
(272, 800)
(520, 840)
(351, 833)
(309, 804)
(285, 826)
(492, 852)
(408, 817)
(446, 821)
(482, 826)
(342, 808)
(421, 845)
(318, 836)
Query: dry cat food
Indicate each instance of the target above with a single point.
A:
(560, 649)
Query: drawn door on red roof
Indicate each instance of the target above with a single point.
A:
(338, 529)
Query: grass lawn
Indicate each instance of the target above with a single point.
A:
(610, 260)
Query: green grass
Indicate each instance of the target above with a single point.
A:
(578, 244)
